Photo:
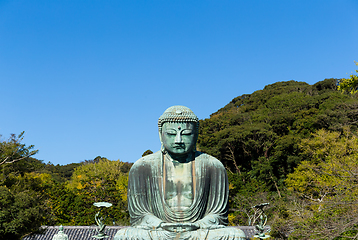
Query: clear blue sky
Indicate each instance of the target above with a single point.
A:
(89, 78)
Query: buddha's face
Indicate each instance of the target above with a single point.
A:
(179, 137)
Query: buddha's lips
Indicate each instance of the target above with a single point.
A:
(178, 146)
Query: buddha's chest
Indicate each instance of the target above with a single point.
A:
(178, 190)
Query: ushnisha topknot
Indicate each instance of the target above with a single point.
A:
(177, 114)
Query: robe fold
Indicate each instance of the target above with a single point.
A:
(148, 208)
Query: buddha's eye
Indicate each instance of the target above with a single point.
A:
(187, 132)
(171, 132)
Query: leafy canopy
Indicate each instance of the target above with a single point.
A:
(349, 85)
(328, 180)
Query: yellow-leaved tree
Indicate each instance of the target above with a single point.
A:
(328, 180)
(101, 180)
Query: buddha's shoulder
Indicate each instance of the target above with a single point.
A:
(148, 159)
(208, 159)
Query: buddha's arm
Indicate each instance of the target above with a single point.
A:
(140, 197)
(141, 215)
(218, 193)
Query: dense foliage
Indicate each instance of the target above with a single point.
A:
(267, 141)
(349, 85)
(328, 179)
(104, 181)
(22, 202)
(33, 193)
(258, 134)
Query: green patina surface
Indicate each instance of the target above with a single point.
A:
(100, 220)
(178, 192)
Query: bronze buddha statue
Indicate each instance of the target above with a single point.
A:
(178, 192)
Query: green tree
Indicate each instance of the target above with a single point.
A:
(14, 151)
(22, 202)
(349, 85)
(60, 173)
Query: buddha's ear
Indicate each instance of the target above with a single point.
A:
(160, 136)
(196, 131)
(196, 140)
(161, 141)
(196, 136)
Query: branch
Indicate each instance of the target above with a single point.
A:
(232, 156)
(15, 160)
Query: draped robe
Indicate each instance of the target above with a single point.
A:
(148, 208)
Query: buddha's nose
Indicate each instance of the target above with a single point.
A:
(178, 138)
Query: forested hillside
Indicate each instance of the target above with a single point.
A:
(257, 135)
(273, 143)
(291, 144)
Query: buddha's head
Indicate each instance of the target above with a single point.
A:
(178, 130)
